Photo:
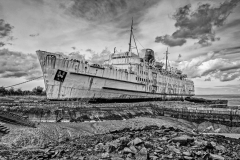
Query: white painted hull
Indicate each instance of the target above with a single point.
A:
(85, 82)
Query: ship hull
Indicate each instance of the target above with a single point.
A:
(96, 89)
(82, 82)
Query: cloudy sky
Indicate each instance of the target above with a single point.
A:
(202, 36)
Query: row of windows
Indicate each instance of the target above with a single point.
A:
(159, 77)
(143, 80)
(150, 88)
(158, 88)
(160, 83)
(145, 73)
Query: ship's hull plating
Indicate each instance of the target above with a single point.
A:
(94, 84)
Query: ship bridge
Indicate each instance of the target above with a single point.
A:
(124, 60)
(127, 60)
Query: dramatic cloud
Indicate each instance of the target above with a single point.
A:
(99, 57)
(228, 51)
(198, 24)
(228, 75)
(207, 79)
(76, 55)
(91, 55)
(117, 12)
(170, 41)
(234, 23)
(17, 64)
(5, 30)
(2, 44)
(208, 65)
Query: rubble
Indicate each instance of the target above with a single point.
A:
(183, 140)
(147, 143)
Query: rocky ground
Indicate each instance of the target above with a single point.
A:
(148, 142)
(20, 136)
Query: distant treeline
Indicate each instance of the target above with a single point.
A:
(19, 92)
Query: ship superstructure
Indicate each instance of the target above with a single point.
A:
(124, 76)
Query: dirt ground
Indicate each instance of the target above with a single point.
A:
(24, 137)
(56, 132)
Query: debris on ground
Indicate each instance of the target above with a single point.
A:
(147, 143)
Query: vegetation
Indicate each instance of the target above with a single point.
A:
(19, 92)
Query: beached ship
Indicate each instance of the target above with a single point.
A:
(124, 76)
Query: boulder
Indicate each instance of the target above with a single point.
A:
(105, 155)
(216, 157)
(173, 149)
(127, 150)
(142, 154)
(220, 148)
(136, 141)
(186, 153)
(133, 149)
(188, 158)
(148, 144)
(183, 140)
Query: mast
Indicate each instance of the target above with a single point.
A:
(130, 41)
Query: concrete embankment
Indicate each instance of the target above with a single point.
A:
(77, 112)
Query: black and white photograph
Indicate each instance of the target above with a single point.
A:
(120, 79)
